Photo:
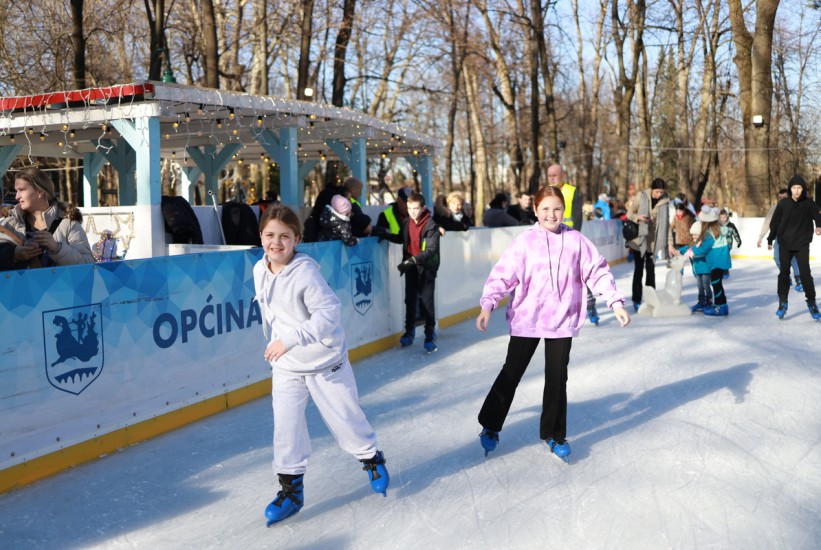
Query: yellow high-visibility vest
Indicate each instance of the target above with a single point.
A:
(393, 223)
(568, 192)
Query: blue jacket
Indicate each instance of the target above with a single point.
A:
(714, 250)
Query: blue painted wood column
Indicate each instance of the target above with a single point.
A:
(92, 163)
(8, 154)
(423, 164)
(354, 157)
(209, 163)
(292, 173)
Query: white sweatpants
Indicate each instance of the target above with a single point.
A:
(334, 393)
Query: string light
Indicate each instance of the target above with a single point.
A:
(12, 139)
(231, 114)
(219, 123)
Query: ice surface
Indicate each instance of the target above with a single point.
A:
(687, 432)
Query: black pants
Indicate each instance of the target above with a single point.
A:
(717, 282)
(642, 263)
(553, 423)
(419, 289)
(802, 258)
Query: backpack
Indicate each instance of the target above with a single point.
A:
(181, 221)
(240, 224)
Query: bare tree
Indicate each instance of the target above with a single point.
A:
(753, 60)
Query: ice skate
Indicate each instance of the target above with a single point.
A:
(593, 315)
(559, 450)
(717, 311)
(289, 500)
(407, 339)
(782, 310)
(430, 343)
(798, 286)
(377, 473)
(814, 311)
(489, 439)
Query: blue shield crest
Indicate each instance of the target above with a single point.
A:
(73, 340)
(362, 286)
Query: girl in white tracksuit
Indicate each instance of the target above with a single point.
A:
(308, 354)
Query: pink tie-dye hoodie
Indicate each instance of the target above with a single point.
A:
(545, 274)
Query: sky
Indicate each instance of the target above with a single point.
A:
(686, 432)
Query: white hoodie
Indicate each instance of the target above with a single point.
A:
(299, 308)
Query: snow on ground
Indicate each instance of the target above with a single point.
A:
(686, 432)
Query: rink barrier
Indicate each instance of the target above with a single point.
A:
(150, 380)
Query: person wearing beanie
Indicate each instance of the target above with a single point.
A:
(783, 193)
(650, 211)
(335, 222)
(792, 228)
(44, 231)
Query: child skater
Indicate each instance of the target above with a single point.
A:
(732, 234)
(546, 272)
(712, 246)
(701, 270)
(308, 354)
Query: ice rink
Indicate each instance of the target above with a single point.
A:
(687, 432)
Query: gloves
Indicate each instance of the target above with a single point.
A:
(406, 266)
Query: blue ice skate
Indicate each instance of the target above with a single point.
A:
(700, 306)
(782, 309)
(717, 311)
(430, 343)
(377, 473)
(636, 306)
(489, 439)
(560, 450)
(814, 311)
(289, 500)
(593, 315)
(407, 339)
(798, 286)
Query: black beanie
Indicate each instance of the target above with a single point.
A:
(798, 180)
(658, 183)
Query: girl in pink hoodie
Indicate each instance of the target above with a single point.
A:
(545, 271)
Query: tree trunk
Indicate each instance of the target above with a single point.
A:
(506, 92)
(340, 50)
(477, 137)
(210, 45)
(753, 60)
(259, 62)
(304, 67)
(155, 11)
(78, 42)
(537, 19)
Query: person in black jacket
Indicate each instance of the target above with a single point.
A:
(420, 263)
(792, 226)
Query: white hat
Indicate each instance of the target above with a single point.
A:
(695, 229)
(708, 214)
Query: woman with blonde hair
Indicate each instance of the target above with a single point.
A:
(45, 231)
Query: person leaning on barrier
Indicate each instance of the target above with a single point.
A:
(45, 231)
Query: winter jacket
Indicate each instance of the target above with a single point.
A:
(653, 234)
(427, 261)
(732, 235)
(546, 275)
(498, 217)
(300, 309)
(792, 222)
(334, 226)
(679, 234)
(74, 247)
(714, 250)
